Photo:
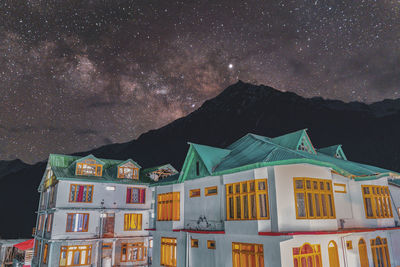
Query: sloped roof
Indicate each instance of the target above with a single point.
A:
(252, 151)
(332, 151)
(63, 167)
(210, 156)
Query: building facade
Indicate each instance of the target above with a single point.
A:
(275, 202)
(92, 212)
(259, 202)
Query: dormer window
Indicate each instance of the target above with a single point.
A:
(304, 146)
(89, 167)
(338, 156)
(127, 172)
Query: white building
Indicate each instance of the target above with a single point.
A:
(92, 212)
(275, 202)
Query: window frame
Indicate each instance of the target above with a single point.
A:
(383, 247)
(247, 251)
(211, 244)
(74, 248)
(80, 168)
(69, 229)
(194, 243)
(207, 189)
(375, 193)
(235, 197)
(137, 217)
(168, 206)
(45, 253)
(316, 251)
(131, 195)
(76, 192)
(135, 173)
(168, 245)
(326, 192)
(193, 192)
(49, 222)
(343, 186)
(139, 245)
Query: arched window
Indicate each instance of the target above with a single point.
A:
(333, 254)
(380, 252)
(362, 251)
(307, 256)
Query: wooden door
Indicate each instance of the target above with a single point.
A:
(108, 225)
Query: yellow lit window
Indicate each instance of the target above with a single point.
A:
(46, 246)
(307, 255)
(194, 193)
(131, 252)
(247, 200)
(194, 243)
(210, 191)
(362, 250)
(37, 246)
(211, 244)
(168, 251)
(80, 193)
(250, 255)
(380, 252)
(75, 255)
(349, 244)
(128, 172)
(313, 198)
(168, 206)
(377, 201)
(132, 221)
(49, 222)
(89, 167)
(340, 188)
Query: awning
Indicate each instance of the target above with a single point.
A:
(28, 244)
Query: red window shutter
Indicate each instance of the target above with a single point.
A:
(142, 195)
(128, 195)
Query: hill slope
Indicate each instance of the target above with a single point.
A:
(369, 134)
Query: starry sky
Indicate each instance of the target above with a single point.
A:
(75, 75)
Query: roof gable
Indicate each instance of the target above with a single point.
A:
(298, 140)
(210, 156)
(333, 151)
(126, 162)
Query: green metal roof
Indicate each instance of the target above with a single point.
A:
(332, 151)
(253, 151)
(210, 156)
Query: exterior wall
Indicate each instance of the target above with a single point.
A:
(359, 219)
(245, 226)
(102, 198)
(204, 212)
(395, 200)
(342, 200)
(180, 246)
(285, 201)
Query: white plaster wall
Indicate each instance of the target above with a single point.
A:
(342, 200)
(60, 224)
(211, 207)
(111, 199)
(180, 248)
(359, 219)
(394, 242)
(395, 201)
(286, 208)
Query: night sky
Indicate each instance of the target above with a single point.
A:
(75, 75)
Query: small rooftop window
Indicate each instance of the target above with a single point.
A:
(89, 167)
(128, 172)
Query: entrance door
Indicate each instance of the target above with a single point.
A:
(333, 254)
(108, 225)
(106, 258)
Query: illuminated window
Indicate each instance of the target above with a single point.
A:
(49, 222)
(333, 254)
(40, 222)
(211, 244)
(168, 251)
(131, 252)
(194, 243)
(349, 244)
(128, 172)
(194, 193)
(168, 206)
(77, 222)
(251, 255)
(377, 201)
(132, 221)
(247, 200)
(211, 191)
(46, 246)
(313, 198)
(380, 252)
(135, 195)
(340, 188)
(89, 167)
(75, 255)
(80, 193)
(307, 255)
(37, 246)
(362, 250)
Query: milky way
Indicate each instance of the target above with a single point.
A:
(75, 75)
